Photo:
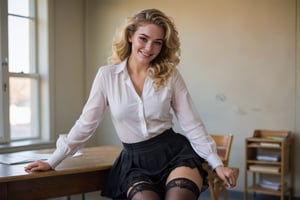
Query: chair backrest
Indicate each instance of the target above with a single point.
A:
(224, 143)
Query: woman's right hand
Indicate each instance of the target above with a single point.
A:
(38, 166)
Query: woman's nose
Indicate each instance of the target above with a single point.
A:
(148, 46)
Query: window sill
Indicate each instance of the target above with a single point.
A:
(26, 145)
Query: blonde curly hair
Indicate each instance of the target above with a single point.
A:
(162, 66)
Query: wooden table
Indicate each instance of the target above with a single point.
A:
(85, 173)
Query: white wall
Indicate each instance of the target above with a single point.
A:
(238, 60)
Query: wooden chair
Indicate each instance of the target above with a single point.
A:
(216, 185)
(224, 143)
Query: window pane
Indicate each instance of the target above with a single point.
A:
(19, 7)
(22, 123)
(19, 44)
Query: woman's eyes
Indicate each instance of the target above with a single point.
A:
(157, 43)
(144, 39)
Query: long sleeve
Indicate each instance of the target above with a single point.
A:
(85, 126)
(191, 123)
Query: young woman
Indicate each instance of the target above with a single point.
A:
(141, 86)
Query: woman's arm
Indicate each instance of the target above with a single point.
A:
(82, 130)
(195, 131)
(191, 123)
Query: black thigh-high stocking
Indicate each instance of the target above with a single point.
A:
(182, 189)
(143, 191)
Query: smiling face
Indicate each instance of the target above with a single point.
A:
(147, 43)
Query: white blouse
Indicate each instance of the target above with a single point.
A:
(137, 118)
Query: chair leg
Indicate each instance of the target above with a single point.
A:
(225, 193)
(212, 191)
(217, 189)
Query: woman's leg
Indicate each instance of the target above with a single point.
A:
(183, 183)
(143, 190)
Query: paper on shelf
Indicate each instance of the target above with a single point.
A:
(264, 168)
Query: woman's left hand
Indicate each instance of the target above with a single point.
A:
(227, 175)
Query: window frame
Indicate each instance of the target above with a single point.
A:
(33, 73)
(44, 49)
(5, 130)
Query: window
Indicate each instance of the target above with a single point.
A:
(24, 79)
(22, 70)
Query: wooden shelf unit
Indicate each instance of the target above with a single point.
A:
(277, 146)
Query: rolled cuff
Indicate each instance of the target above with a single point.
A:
(214, 160)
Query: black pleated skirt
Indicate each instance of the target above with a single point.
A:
(151, 160)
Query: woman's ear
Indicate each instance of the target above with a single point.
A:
(129, 39)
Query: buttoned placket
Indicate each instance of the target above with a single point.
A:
(142, 117)
(141, 110)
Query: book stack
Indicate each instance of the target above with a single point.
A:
(270, 184)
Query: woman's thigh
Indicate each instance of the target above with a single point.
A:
(192, 174)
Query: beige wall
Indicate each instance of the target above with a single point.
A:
(238, 60)
(297, 116)
(69, 69)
